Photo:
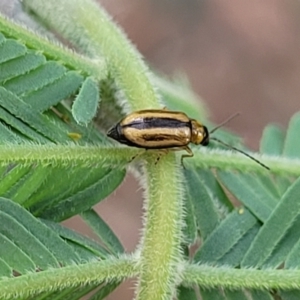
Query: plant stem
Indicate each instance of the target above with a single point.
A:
(212, 277)
(30, 284)
(28, 154)
(160, 245)
(230, 160)
(204, 158)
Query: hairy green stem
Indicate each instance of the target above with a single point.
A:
(231, 160)
(204, 158)
(27, 285)
(160, 246)
(212, 277)
(65, 154)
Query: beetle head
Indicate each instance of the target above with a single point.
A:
(199, 134)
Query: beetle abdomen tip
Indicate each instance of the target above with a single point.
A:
(113, 133)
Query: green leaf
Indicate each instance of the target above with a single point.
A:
(86, 198)
(235, 295)
(269, 185)
(103, 231)
(12, 176)
(10, 49)
(39, 122)
(85, 105)
(212, 294)
(33, 244)
(23, 129)
(185, 293)
(293, 239)
(282, 184)
(205, 210)
(225, 236)
(71, 293)
(79, 243)
(235, 255)
(190, 229)
(2, 39)
(287, 249)
(216, 190)
(21, 65)
(79, 178)
(36, 79)
(51, 94)
(250, 192)
(28, 184)
(261, 295)
(290, 295)
(80, 292)
(272, 140)
(105, 290)
(275, 227)
(292, 141)
(14, 257)
(7, 136)
(5, 269)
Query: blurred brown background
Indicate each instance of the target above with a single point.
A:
(239, 55)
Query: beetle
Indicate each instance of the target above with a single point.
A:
(167, 130)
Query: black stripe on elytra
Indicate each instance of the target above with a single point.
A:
(148, 123)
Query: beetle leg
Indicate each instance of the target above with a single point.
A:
(166, 151)
(186, 148)
(190, 154)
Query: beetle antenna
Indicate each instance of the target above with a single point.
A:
(238, 150)
(225, 122)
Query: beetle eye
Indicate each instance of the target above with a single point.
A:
(205, 137)
(205, 141)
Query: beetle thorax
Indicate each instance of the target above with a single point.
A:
(198, 132)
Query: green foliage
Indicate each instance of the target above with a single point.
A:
(55, 163)
(85, 105)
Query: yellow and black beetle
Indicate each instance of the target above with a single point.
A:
(164, 129)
